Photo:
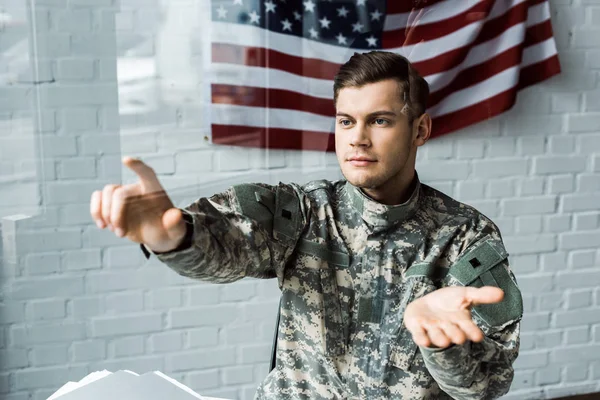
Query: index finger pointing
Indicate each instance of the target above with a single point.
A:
(148, 179)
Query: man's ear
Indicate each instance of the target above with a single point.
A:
(422, 129)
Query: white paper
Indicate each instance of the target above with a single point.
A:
(94, 376)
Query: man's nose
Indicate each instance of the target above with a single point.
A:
(360, 136)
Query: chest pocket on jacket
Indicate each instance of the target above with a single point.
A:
(323, 272)
(419, 282)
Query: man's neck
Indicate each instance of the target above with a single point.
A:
(395, 191)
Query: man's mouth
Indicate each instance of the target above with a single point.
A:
(361, 161)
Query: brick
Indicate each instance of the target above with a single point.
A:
(588, 143)
(531, 186)
(127, 325)
(238, 291)
(443, 170)
(592, 101)
(571, 318)
(532, 359)
(237, 375)
(42, 263)
(577, 279)
(579, 240)
(127, 346)
(194, 161)
(13, 359)
(166, 342)
(566, 103)
(499, 168)
(546, 165)
(529, 205)
(125, 302)
(588, 183)
(554, 261)
(71, 192)
(202, 316)
(91, 350)
(582, 258)
(47, 377)
(25, 289)
(536, 283)
(81, 307)
(168, 298)
(579, 353)
(75, 69)
(202, 380)
(50, 355)
(467, 190)
(535, 321)
(561, 184)
(203, 337)
(118, 258)
(47, 309)
(204, 295)
(82, 259)
(587, 122)
(142, 143)
(570, 389)
(256, 353)
(192, 360)
(524, 264)
(233, 160)
(529, 224)
(125, 280)
(548, 340)
(551, 301)
(75, 214)
(470, 149)
(562, 144)
(529, 146)
(579, 335)
(47, 333)
(576, 372)
(548, 375)
(242, 334)
(523, 379)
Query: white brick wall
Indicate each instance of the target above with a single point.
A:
(75, 299)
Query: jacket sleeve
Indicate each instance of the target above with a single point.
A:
(481, 370)
(249, 230)
(473, 370)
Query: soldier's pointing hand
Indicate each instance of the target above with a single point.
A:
(141, 212)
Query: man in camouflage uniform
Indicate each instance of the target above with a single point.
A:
(390, 289)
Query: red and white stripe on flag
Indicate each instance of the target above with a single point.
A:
(274, 90)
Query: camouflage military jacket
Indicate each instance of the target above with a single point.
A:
(347, 267)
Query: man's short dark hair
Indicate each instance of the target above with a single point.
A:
(377, 66)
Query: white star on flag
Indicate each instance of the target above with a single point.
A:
(341, 39)
(297, 15)
(254, 17)
(372, 41)
(342, 12)
(314, 34)
(376, 15)
(270, 6)
(287, 25)
(239, 2)
(222, 12)
(324, 22)
(310, 6)
(357, 27)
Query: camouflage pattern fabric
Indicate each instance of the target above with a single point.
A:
(347, 267)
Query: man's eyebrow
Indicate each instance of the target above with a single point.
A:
(370, 115)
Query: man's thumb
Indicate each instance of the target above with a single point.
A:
(484, 295)
(174, 223)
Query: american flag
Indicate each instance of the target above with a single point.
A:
(273, 61)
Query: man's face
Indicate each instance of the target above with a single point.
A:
(375, 143)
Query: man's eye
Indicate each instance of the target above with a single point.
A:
(345, 122)
(381, 121)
